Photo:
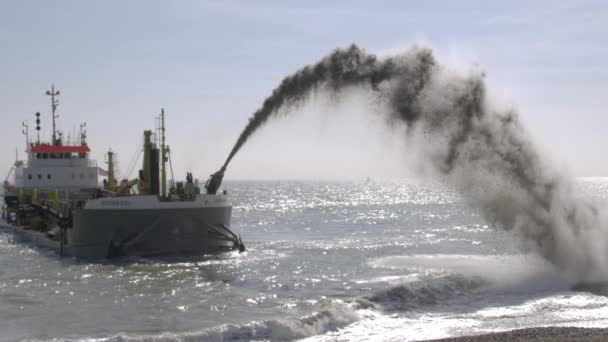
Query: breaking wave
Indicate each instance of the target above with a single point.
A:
(332, 315)
(417, 294)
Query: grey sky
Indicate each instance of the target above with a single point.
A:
(211, 64)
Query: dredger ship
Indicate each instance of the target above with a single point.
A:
(56, 200)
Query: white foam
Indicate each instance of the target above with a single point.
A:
(334, 315)
(505, 271)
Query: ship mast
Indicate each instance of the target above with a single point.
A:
(38, 128)
(26, 132)
(83, 134)
(54, 103)
(163, 154)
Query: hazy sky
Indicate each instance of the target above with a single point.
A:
(210, 64)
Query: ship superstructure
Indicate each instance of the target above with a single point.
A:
(56, 200)
(53, 166)
(56, 167)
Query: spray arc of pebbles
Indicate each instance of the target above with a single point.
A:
(483, 153)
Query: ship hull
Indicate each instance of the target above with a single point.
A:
(144, 226)
(151, 232)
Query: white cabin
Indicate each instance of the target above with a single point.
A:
(53, 167)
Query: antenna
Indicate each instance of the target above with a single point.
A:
(54, 103)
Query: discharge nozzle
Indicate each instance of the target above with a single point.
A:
(214, 181)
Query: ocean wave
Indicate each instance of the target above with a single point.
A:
(330, 316)
(425, 293)
(526, 273)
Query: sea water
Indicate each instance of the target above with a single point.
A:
(357, 260)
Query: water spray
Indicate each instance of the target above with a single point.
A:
(480, 151)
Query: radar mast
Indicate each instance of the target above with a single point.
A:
(54, 103)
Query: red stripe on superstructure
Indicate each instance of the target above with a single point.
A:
(59, 149)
